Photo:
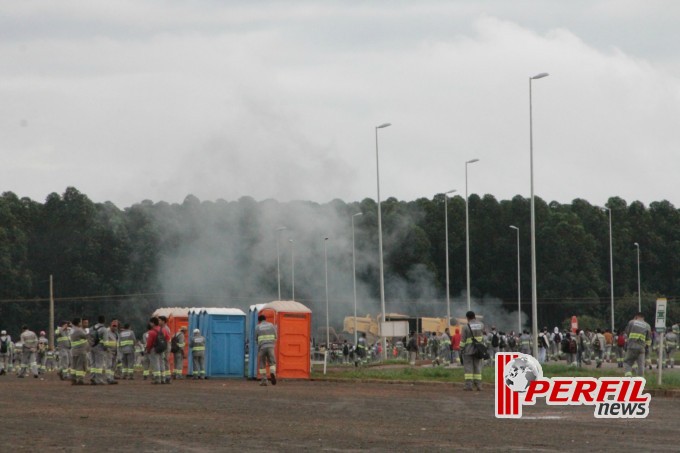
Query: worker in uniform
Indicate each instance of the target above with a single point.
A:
(63, 338)
(29, 349)
(154, 357)
(445, 347)
(598, 344)
(361, 350)
(639, 335)
(80, 346)
(197, 347)
(5, 352)
(126, 347)
(265, 334)
(670, 343)
(525, 342)
(179, 342)
(99, 355)
(472, 365)
(608, 345)
(146, 365)
(583, 354)
(43, 346)
(165, 357)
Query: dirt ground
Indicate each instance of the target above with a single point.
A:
(239, 415)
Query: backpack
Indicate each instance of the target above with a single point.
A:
(512, 342)
(502, 343)
(620, 341)
(161, 343)
(596, 344)
(558, 338)
(3, 346)
(174, 344)
(572, 346)
(494, 340)
(95, 337)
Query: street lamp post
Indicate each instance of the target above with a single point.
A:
(519, 289)
(292, 266)
(354, 278)
(638, 266)
(467, 233)
(380, 238)
(446, 229)
(611, 266)
(328, 332)
(278, 258)
(534, 291)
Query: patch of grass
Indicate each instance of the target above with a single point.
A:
(671, 378)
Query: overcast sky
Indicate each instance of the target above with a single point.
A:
(135, 99)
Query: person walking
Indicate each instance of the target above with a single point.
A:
(197, 347)
(599, 344)
(265, 334)
(639, 335)
(126, 347)
(470, 334)
(525, 342)
(110, 343)
(177, 349)
(543, 345)
(99, 356)
(43, 346)
(361, 350)
(80, 347)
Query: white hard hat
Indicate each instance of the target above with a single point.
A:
(4, 332)
(197, 331)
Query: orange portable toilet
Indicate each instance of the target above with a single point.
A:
(293, 323)
(177, 317)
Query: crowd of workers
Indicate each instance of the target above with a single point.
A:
(104, 353)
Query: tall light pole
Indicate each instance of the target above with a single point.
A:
(638, 265)
(611, 265)
(534, 291)
(446, 229)
(278, 258)
(519, 289)
(467, 233)
(380, 240)
(292, 266)
(328, 332)
(354, 278)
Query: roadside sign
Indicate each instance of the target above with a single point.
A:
(660, 314)
(574, 324)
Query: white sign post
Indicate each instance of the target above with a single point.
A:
(660, 326)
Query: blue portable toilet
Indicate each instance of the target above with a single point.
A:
(224, 330)
(252, 343)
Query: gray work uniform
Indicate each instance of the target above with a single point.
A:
(197, 347)
(639, 337)
(265, 333)
(472, 365)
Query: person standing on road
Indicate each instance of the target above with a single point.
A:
(63, 335)
(127, 344)
(265, 334)
(154, 357)
(29, 341)
(412, 348)
(494, 342)
(608, 344)
(360, 350)
(473, 366)
(99, 356)
(80, 347)
(43, 346)
(445, 347)
(5, 352)
(639, 335)
(177, 349)
(110, 343)
(165, 357)
(543, 345)
(670, 343)
(197, 347)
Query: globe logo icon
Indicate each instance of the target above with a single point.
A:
(521, 371)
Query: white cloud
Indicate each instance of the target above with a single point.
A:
(223, 100)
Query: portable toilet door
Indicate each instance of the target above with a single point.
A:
(293, 351)
(225, 337)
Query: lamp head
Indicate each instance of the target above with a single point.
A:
(540, 76)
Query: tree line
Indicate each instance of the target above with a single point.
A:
(110, 261)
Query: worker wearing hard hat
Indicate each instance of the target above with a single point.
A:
(197, 346)
(265, 334)
(5, 352)
(177, 345)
